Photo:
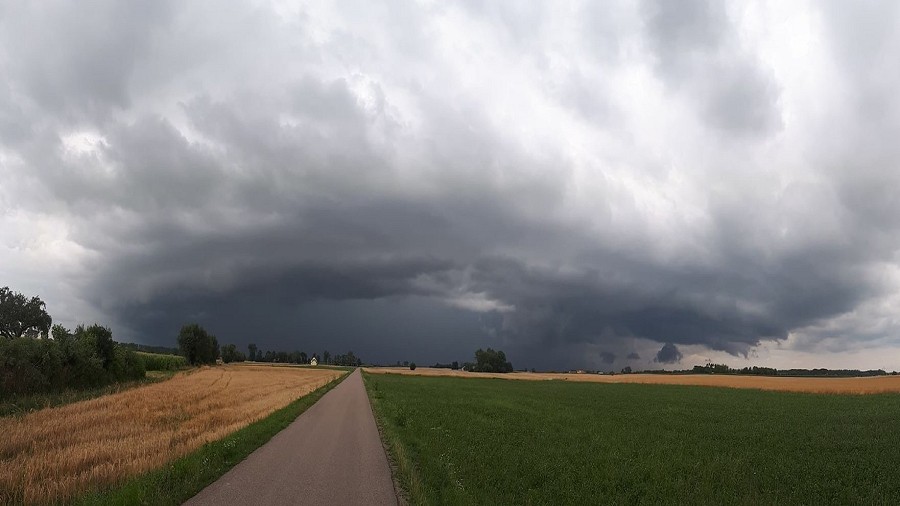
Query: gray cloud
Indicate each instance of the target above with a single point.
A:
(559, 183)
(698, 53)
(668, 354)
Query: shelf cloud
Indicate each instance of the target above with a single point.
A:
(580, 184)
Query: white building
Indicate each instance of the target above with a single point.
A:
(314, 361)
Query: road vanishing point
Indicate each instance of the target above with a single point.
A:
(331, 454)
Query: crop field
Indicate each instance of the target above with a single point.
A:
(486, 441)
(868, 385)
(56, 454)
(161, 362)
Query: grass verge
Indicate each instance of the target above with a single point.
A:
(406, 476)
(24, 404)
(185, 477)
(487, 441)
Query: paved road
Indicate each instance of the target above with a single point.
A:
(331, 454)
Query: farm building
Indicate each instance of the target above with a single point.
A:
(314, 361)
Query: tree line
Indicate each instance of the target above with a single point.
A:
(711, 368)
(488, 360)
(348, 359)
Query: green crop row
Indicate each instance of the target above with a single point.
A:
(492, 441)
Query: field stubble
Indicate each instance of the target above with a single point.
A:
(55, 454)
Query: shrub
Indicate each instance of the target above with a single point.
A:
(412, 366)
(88, 358)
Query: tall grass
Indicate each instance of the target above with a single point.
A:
(55, 454)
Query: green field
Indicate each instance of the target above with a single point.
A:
(161, 362)
(494, 441)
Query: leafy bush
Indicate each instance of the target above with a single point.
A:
(84, 359)
(412, 366)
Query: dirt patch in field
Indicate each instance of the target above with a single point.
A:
(869, 385)
(54, 454)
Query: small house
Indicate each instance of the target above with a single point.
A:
(314, 361)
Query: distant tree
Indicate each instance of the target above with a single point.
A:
(230, 354)
(454, 365)
(304, 359)
(251, 349)
(490, 360)
(412, 366)
(348, 359)
(326, 357)
(21, 316)
(626, 369)
(197, 345)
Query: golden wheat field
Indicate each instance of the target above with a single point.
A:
(55, 454)
(870, 385)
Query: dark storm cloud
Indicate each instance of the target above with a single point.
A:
(450, 177)
(668, 354)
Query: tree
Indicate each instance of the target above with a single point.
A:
(303, 358)
(197, 345)
(412, 366)
(252, 349)
(454, 365)
(491, 361)
(230, 354)
(20, 316)
(60, 333)
(101, 339)
(326, 357)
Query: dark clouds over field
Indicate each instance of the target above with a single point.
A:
(582, 185)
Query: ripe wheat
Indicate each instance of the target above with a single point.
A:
(55, 454)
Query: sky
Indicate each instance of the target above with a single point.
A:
(596, 185)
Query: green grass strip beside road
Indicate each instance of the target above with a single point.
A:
(406, 474)
(183, 478)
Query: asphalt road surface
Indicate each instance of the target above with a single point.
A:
(331, 454)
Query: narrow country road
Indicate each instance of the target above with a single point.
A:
(331, 454)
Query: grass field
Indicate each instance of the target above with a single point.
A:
(56, 454)
(488, 441)
(835, 385)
